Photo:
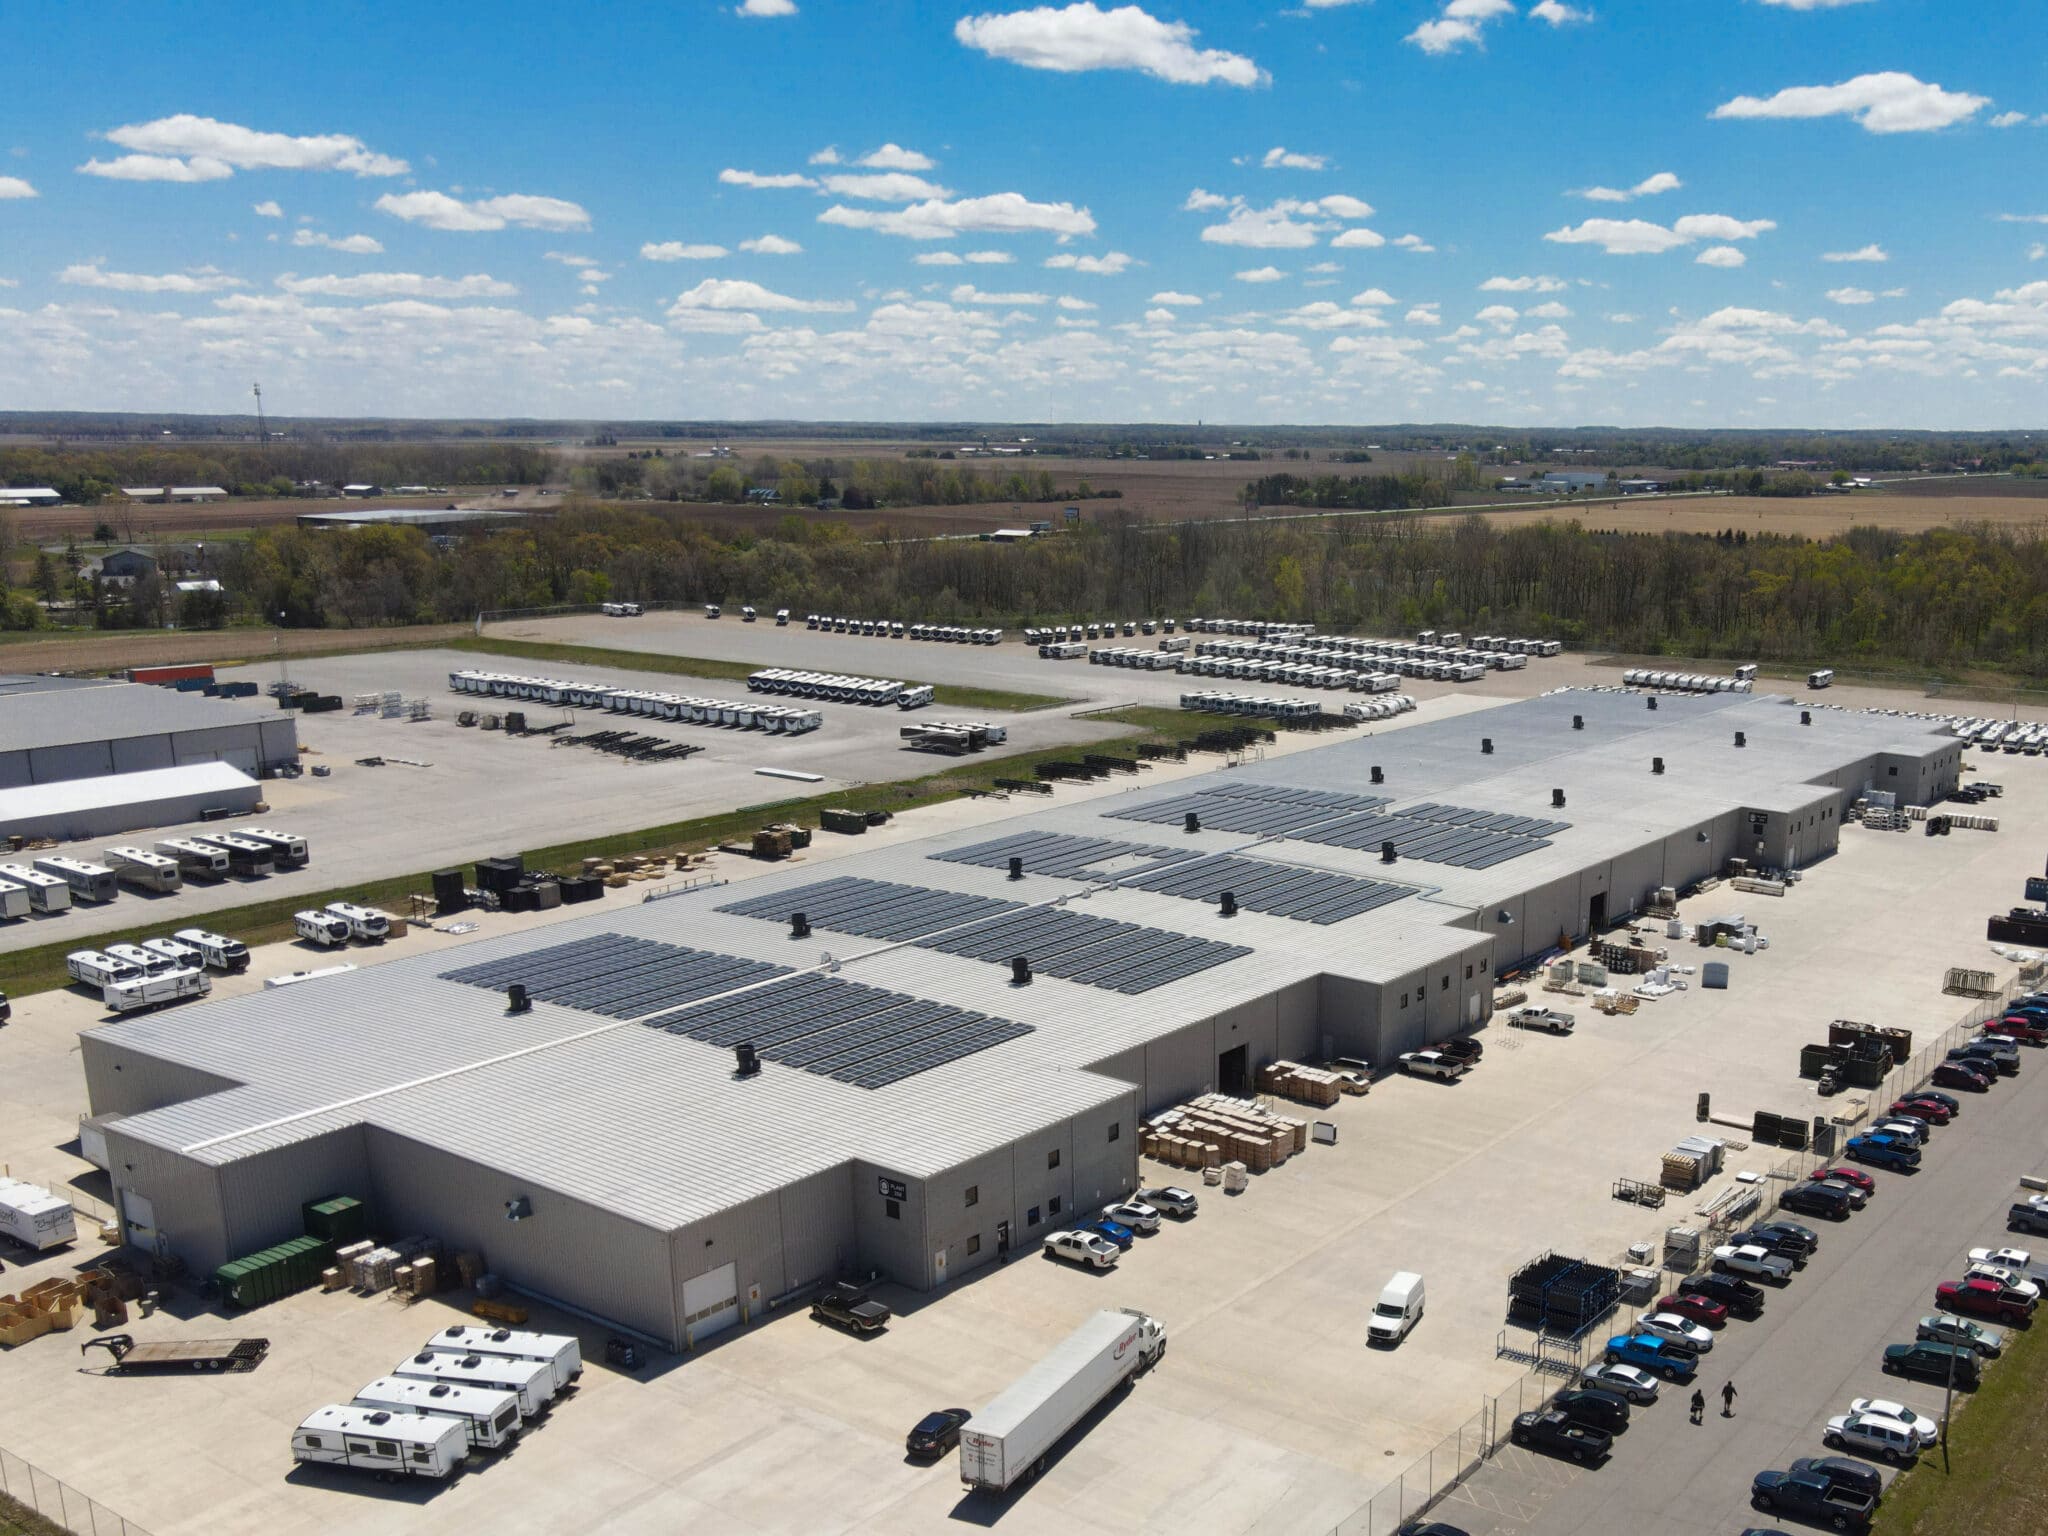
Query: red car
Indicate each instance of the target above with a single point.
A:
(1862, 1181)
(1923, 1109)
(1983, 1298)
(1698, 1308)
(2025, 1027)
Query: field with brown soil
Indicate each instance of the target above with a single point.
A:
(152, 522)
(1808, 517)
(232, 647)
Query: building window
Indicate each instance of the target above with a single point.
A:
(1052, 1158)
(1031, 1217)
(973, 1244)
(1468, 973)
(893, 1209)
(974, 1194)
(1404, 999)
(1052, 1206)
(1893, 770)
(1116, 1130)
(1482, 965)
(1446, 985)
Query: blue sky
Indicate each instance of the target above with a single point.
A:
(1679, 212)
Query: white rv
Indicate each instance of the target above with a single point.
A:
(30, 1214)
(46, 893)
(157, 991)
(245, 856)
(288, 849)
(180, 955)
(152, 963)
(560, 1352)
(13, 900)
(392, 1445)
(88, 882)
(491, 1417)
(371, 927)
(96, 972)
(195, 859)
(531, 1381)
(321, 928)
(219, 951)
(144, 870)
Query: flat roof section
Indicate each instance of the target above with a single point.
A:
(66, 716)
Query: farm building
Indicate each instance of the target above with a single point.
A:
(952, 1057)
(57, 729)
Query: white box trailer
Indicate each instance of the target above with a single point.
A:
(144, 870)
(46, 893)
(392, 1445)
(245, 856)
(157, 991)
(195, 860)
(531, 1381)
(490, 1418)
(560, 1352)
(13, 900)
(217, 950)
(31, 1215)
(1012, 1436)
(88, 881)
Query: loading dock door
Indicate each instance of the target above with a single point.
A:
(1234, 1071)
(711, 1303)
(1596, 916)
(138, 1220)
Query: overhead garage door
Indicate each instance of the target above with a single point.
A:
(138, 1220)
(711, 1303)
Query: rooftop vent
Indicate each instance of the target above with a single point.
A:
(1228, 903)
(746, 1061)
(1191, 822)
(1017, 866)
(1557, 797)
(1656, 765)
(1387, 854)
(1486, 746)
(799, 926)
(1741, 740)
(1020, 971)
(1806, 717)
(1578, 722)
(1379, 774)
(516, 1000)
(1651, 701)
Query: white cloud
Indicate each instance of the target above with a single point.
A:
(1499, 316)
(1721, 256)
(1326, 316)
(779, 181)
(1415, 243)
(12, 187)
(2037, 252)
(1068, 301)
(1373, 298)
(267, 210)
(1889, 102)
(1279, 159)
(1263, 229)
(398, 285)
(348, 245)
(1460, 24)
(1338, 206)
(1557, 14)
(2023, 218)
(733, 294)
(961, 259)
(676, 250)
(1864, 253)
(201, 280)
(1851, 296)
(886, 187)
(1649, 186)
(1085, 37)
(1160, 317)
(2008, 120)
(1170, 296)
(765, 8)
(1718, 226)
(1540, 284)
(1360, 239)
(829, 155)
(1204, 202)
(437, 210)
(1812, 5)
(1639, 237)
(893, 157)
(967, 293)
(771, 245)
(1260, 275)
(1424, 314)
(1106, 265)
(1551, 311)
(188, 148)
(157, 168)
(999, 213)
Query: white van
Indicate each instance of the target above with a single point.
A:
(321, 928)
(491, 1417)
(217, 950)
(46, 893)
(1399, 1309)
(392, 1445)
(561, 1353)
(531, 1381)
(371, 927)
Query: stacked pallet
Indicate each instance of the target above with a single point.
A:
(1292, 1080)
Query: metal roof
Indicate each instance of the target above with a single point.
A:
(34, 802)
(62, 717)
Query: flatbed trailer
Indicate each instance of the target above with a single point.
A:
(131, 1358)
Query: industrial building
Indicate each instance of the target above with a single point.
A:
(429, 520)
(73, 810)
(951, 1053)
(54, 729)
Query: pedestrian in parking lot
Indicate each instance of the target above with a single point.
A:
(1728, 1401)
(1699, 1404)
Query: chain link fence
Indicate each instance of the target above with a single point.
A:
(59, 1503)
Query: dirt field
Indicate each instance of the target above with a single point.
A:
(152, 521)
(144, 648)
(1810, 517)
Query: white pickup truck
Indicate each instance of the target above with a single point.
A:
(1749, 1259)
(1431, 1064)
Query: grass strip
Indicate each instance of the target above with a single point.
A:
(951, 694)
(1997, 1444)
(18, 1519)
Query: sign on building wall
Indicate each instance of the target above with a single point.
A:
(892, 1189)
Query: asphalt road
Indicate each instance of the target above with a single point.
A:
(1819, 1340)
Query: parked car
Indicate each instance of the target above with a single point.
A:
(1924, 1429)
(1740, 1297)
(1980, 1296)
(1914, 1133)
(1355, 1072)
(2032, 1029)
(1464, 1048)
(1922, 1109)
(1170, 1200)
(1552, 1431)
(1971, 1074)
(1660, 1357)
(1600, 1410)
(1115, 1231)
(1084, 1248)
(1856, 1176)
(1857, 1195)
(2026, 1216)
(1815, 1496)
(1695, 1308)
(1947, 1101)
(2006, 1276)
(1748, 1259)
(1432, 1064)
(936, 1433)
(1549, 1020)
(1993, 1051)
(1941, 1328)
(851, 1306)
(1873, 1434)
(2019, 1259)
(1629, 1381)
(1840, 1469)
(1679, 1330)
(1135, 1214)
(1817, 1200)
(1784, 1244)
(1933, 1362)
(1883, 1151)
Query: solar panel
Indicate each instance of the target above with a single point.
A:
(617, 976)
(1264, 809)
(872, 909)
(1055, 853)
(1283, 890)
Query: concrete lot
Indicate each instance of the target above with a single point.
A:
(1269, 1414)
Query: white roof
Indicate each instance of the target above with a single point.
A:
(34, 801)
(27, 493)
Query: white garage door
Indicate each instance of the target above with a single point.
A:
(138, 1220)
(711, 1303)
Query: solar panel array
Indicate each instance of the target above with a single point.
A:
(1284, 890)
(873, 909)
(616, 976)
(1057, 853)
(860, 1035)
(1264, 809)
(1441, 834)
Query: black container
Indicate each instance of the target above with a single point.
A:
(500, 874)
(449, 894)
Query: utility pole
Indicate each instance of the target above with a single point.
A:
(1948, 1402)
(262, 428)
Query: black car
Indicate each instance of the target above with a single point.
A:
(1600, 1410)
(1812, 1200)
(1780, 1243)
(936, 1433)
(1740, 1297)
(1464, 1049)
(2006, 1062)
(1790, 1233)
(1843, 1473)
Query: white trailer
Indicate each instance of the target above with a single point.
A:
(31, 1215)
(1012, 1436)
(144, 870)
(560, 1352)
(321, 928)
(95, 971)
(152, 963)
(46, 893)
(490, 1418)
(195, 860)
(1824, 678)
(531, 1381)
(392, 1445)
(217, 950)
(13, 900)
(157, 991)
(287, 848)
(88, 882)
(182, 956)
(370, 926)
(245, 857)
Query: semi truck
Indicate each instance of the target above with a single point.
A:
(1011, 1438)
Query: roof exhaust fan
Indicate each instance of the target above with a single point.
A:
(1578, 722)
(516, 1000)
(1557, 798)
(1656, 765)
(1741, 740)
(1486, 746)
(1379, 774)
(1016, 866)
(746, 1061)
(1387, 854)
(1020, 971)
(1228, 903)
(799, 926)
(1191, 822)
(1651, 701)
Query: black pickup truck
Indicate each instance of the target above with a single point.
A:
(1814, 1494)
(850, 1306)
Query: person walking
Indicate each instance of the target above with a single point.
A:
(1699, 1404)
(1728, 1401)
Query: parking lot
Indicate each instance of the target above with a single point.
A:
(1270, 1413)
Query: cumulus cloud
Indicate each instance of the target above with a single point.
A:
(1539, 284)
(1888, 102)
(765, 8)
(15, 187)
(1557, 14)
(1812, 5)
(1499, 316)
(885, 187)
(1851, 296)
(188, 148)
(734, 294)
(967, 293)
(157, 168)
(892, 157)
(1360, 239)
(1280, 159)
(1262, 229)
(1639, 237)
(1461, 24)
(2007, 120)
(1649, 186)
(1068, 301)
(1550, 311)
(676, 250)
(771, 245)
(397, 285)
(998, 213)
(779, 181)
(1721, 256)
(1204, 202)
(92, 274)
(1415, 243)
(1085, 37)
(437, 210)
(1862, 253)
(267, 210)
(1106, 265)
(963, 258)
(348, 245)
(1171, 296)
(1260, 275)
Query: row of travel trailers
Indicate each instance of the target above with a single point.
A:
(333, 925)
(1379, 709)
(54, 884)
(1220, 703)
(954, 737)
(896, 629)
(156, 972)
(775, 719)
(1295, 674)
(840, 689)
(2017, 736)
(1400, 650)
(467, 1390)
(1744, 681)
(1103, 629)
(1514, 645)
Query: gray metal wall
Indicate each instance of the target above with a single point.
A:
(185, 1194)
(895, 1245)
(119, 1081)
(109, 820)
(776, 1243)
(261, 1197)
(246, 744)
